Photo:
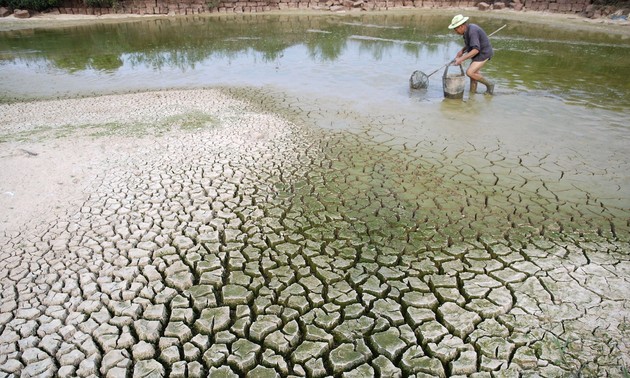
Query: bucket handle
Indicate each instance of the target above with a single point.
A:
(446, 70)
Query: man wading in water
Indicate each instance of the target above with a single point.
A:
(477, 47)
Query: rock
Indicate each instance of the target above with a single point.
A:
(390, 310)
(263, 326)
(459, 321)
(201, 341)
(50, 344)
(66, 371)
(388, 343)
(32, 355)
(143, 351)
(225, 337)
(216, 355)
(222, 372)
(308, 350)
(262, 372)
(525, 357)
(12, 366)
(191, 352)
(364, 370)
(138, 253)
(179, 330)
(347, 356)
(126, 308)
(88, 367)
(4, 12)
(314, 333)
(183, 242)
(244, 354)
(420, 315)
(498, 5)
(414, 361)
(30, 342)
(117, 358)
(195, 370)
(178, 370)
(447, 349)
(155, 312)
(315, 367)
(483, 6)
(27, 313)
(202, 296)
(73, 358)
(213, 320)
(386, 368)
(236, 295)
(170, 355)
(148, 368)
(269, 358)
(21, 13)
(148, 330)
(117, 372)
(42, 369)
(465, 364)
(180, 280)
(432, 331)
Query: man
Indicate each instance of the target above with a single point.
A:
(477, 47)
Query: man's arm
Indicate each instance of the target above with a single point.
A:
(461, 57)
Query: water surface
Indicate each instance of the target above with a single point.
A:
(560, 93)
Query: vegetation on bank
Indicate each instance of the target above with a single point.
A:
(42, 5)
(36, 5)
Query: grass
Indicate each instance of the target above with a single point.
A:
(191, 121)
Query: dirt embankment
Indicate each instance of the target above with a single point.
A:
(614, 25)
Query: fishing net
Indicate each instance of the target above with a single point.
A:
(418, 80)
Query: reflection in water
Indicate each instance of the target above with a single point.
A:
(169, 52)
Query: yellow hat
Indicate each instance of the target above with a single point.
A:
(457, 20)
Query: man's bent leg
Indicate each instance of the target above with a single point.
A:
(474, 72)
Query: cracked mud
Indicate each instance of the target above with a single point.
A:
(253, 245)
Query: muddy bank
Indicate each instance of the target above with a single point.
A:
(213, 238)
(571, 21)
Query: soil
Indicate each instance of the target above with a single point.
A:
(572, 21)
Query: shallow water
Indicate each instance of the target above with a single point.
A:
(371, 55)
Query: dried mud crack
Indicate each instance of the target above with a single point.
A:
(231, 241)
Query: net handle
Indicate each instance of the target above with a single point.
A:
(496, 31)
(441, 68)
